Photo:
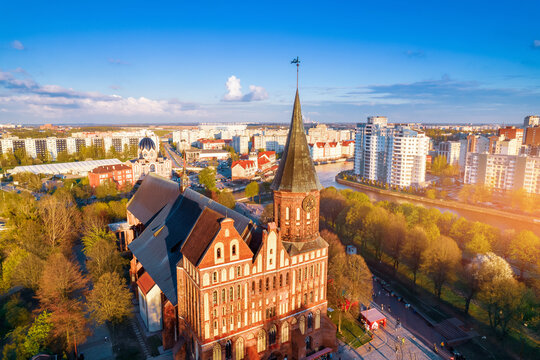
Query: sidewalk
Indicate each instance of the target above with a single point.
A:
(95, 347)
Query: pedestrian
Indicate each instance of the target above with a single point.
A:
(382, 307)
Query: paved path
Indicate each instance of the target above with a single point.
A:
(96, 347)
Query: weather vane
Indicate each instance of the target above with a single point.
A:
(297, 62)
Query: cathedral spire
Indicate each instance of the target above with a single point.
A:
(296, 172)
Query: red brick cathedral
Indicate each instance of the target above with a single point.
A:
(219, 286)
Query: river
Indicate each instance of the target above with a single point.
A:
(328, 172)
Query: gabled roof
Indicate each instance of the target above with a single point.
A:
(244, 164)
(146, 283)
(158, 247)
(153, 194)
(296, 172)
(201, 236)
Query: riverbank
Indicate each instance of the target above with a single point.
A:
(435, 202)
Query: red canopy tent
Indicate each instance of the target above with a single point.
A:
(373, 318)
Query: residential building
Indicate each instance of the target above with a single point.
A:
(451, 150)
(477, 144)
(531, 120)
(210, 144)
(511, 132)
(231, 289)
(243, 170)
(266, 160)
(504, 146)
(240, 143)
(393, 154)
(119, 174)
(532, 136)
(503, 172)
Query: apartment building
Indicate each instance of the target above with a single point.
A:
(240, 143)
(393, 154)
(451, 150)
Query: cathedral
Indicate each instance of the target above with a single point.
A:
(149, 161)
(217, 285)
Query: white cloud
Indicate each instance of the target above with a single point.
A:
(27, 96)
(536, 43)
(17, 45)
(234, 91)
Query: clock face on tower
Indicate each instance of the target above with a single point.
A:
(308, 203)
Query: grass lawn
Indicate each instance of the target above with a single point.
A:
(352, 332)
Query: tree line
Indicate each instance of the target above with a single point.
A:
(471, 258)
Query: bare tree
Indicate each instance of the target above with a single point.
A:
(60, 218)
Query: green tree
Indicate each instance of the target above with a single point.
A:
(331, 204)
(416, 243)
(479, 244)
(207, 177)
(525, 251)
(110, 299)
(252, 190)
(107, 189)
(441, 259)
(394, 239)
(226, 198)
(38, 334)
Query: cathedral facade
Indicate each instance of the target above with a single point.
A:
(230, 289)
(149, 161)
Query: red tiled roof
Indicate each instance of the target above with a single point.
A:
(244, 163)
(146, 283)
(109, 168)
(372, 315)
(347, 142)
(332, 144)
(267, 153)
(263, 160)
(201, 235)
(321, 144)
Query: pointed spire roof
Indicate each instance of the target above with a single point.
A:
(296, 172)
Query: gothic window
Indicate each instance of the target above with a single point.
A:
(152, 168)
(267, 284)
(311, 297)
(297, 214)
(238, 271)
(223, 298)
(272, 335)
(231, 294)
(287, 279)
(302, 325)
(253, 287)
(287, 213)
(214, 297)
(228, 350)
(238, 292)
(308, 343)
(234, 250)
(310, 321)
(214, 277)
(260, 285)
(284, 332)
(317, 319)
(217, 352)
(239, 349)
(274, 282)
(280, 280)
(218, 253)
(261, 341)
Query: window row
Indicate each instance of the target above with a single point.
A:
(274, 283)
(229, 295)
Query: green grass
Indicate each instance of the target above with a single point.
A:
(352, 332)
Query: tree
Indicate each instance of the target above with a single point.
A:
(110, 299)
(331, 204)
(207, 177)
(525, 250)
(375, 225)
(226, 198)
(267, 214)
(252, 190)
(106, 189)
(483, 269)
(416, 243)
(60, 218)
(38, 334)
(104, 258)
(441, 259)
(394, 238)
(94, 236)
(479, 244)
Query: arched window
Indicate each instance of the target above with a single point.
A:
(261, 341)
(216, 352)
(218, 253)
(274, 282)
(228, 350)
(239, 347)
(287, 213)
(317, 319)
(260, 285)
(231, 294)
(267, 284)
(223, 297)
(214, 277)
(302, 325)
(253, 287)
(287, 279)
(238, 292)
(214, 297)
(297, 214)
(284, 332)
(272, 335)
(308, 343)
(310, 321)
(152, 168)
(280, 280)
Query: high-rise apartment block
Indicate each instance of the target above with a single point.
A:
(531, 120)
(503, 172)
(393, 154)
(240, 143)
(451, 150)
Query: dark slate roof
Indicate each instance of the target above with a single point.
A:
(158, 247)
(201, 236)
(296, 172)
(301, 247)
(153, 194)
(147, 143)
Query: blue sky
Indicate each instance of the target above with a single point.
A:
(212, 61)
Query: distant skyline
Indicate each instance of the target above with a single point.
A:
(189, 62)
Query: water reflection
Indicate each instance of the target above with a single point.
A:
(328, 172)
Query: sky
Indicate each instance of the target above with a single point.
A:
(113, 62)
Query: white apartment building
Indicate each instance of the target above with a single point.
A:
(322, 133)
(240, 143)
(392, 154)
(52, 146)
(270, 141)
(531, 120)
(503, 172)
(451, 150)
(325, 151)
(477, 144)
